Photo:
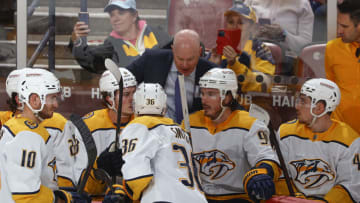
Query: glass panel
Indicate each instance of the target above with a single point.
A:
(294, 32)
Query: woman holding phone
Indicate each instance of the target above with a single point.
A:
(129, 38)
(253, 57)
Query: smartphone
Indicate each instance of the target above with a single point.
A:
(264, 21)
(227, 37)
(84, 17)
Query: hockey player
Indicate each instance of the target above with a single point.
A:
(11, 90)
(157, 153)
(102, 125)
(231, 149)
(322, 155)
(28, 154)
(54, 125)
(5, 194)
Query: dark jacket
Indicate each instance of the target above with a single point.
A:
(154, 66)
(92, 58)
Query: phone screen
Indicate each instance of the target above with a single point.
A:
(84, 17)
(264, 21)
(227, 37)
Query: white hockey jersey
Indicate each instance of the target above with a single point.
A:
(29, 160)
(63, 148)
(158, 165)
(103, 131)
(323, 162)
(5, 193)
(225, 153)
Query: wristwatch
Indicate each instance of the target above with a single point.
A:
(77, 42)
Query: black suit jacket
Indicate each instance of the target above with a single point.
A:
(154, 66)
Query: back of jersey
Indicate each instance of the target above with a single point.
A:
(157, 152)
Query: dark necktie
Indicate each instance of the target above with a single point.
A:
(178, 107)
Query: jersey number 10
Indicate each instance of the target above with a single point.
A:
(28, 159)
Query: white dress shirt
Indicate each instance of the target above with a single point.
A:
(294, 16)
(170, 90)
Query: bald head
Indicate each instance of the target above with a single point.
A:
(186, 49)
(187, 38)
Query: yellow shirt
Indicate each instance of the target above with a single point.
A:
(261, 58)
(343, 67)
(5, 116)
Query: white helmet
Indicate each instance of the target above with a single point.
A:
(150, 98)
(223, 79)
(40, 82)
(322, 89)
(12, 80)
(108, 83)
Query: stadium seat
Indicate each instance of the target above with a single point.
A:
(277, 54)
(311, 61)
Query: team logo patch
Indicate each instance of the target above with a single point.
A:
(31, 124)
(214, 163)
(89, 115)
(312, 173)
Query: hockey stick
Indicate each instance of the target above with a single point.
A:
(185, 111)
(261, 114)
(89, 146)
(101, 174)
(184, 105)
(114, 69)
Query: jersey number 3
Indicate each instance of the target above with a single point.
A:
(187, 164)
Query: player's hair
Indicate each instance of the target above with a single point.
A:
(104, 102)
(233, 103)
(12, 102)
(351, 7)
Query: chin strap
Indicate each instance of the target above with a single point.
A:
(312, 122)
(38, 116)
(223, 108)
(112, 107)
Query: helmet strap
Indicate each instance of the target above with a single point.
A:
(223, 108)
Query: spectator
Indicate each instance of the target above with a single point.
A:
(157, 153)
(254, 57)
(163, 66)
(129, 39)
(322, 154)
(229, 146)
(291, 25)
(320, 24)
(342, 62)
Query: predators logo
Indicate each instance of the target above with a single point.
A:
(31, 124)
(214, 163)
(312, 172)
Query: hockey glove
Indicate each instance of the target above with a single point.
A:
(116, 195)
(111, 162)
(71, 197)
(258, 184)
